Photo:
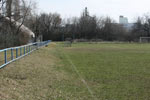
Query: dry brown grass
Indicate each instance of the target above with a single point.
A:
(32, 77)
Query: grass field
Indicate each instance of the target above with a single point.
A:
(102, 71)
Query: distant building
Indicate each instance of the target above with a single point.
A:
(124, 22)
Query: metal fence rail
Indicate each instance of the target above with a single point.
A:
(9, 55)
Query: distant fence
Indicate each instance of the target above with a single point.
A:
(11, 54)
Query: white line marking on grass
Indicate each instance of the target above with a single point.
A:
(82, 79)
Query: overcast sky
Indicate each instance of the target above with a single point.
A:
(112, 8)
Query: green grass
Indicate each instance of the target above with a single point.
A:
(111, 71)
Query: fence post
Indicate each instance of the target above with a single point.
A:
(20, 51)
(16, 52)
(5, 55)
(24, 50)
(29, 48)
(12, 55)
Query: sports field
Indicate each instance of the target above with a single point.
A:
(85, 71)
(110, 71)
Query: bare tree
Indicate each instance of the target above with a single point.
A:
(8, 8)
(14, 19)
(16, 8)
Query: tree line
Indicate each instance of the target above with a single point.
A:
(87, 27)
